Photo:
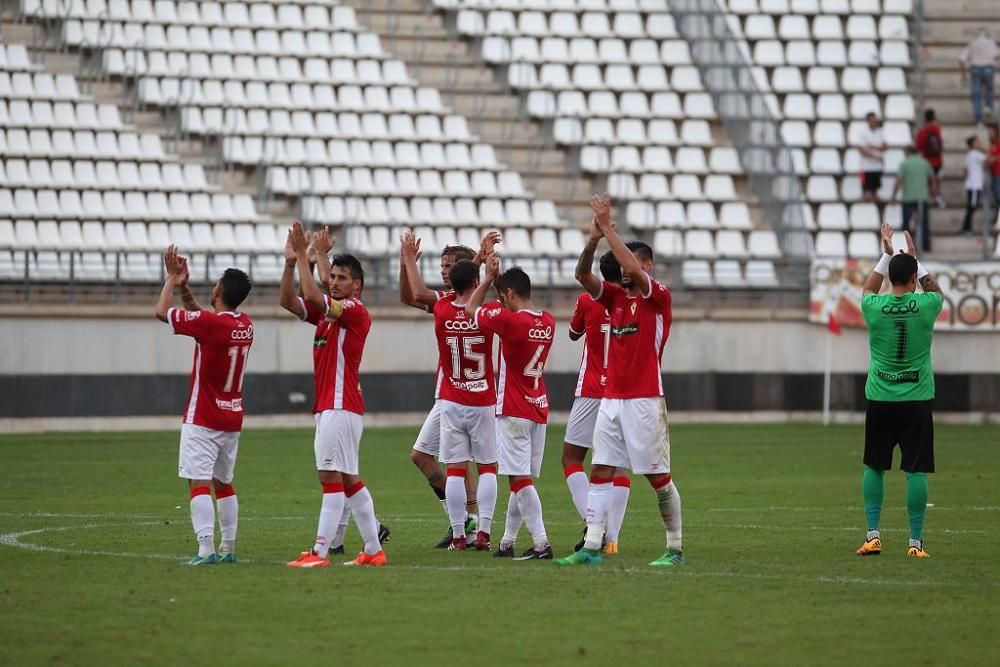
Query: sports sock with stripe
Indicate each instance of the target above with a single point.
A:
(487, 492)
(203, 519)
(338, 537)
(359, 499)
(455, 498)
(873, 492)
(229, 512)
(512, 523)
(916, 503)
(329, 517)
(617, 502)
(597, 513)
(579, 487)
(531, 509)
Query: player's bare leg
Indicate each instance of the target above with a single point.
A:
(203, 521)
(362, 507)
(530, 506)
(228, 507)
(669, 500)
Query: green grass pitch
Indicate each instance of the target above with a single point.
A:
(94, 525)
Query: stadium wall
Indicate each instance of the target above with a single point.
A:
(89, 363)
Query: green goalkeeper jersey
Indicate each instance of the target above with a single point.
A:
(900, 333)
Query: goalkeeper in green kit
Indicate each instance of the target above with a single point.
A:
(900, 387)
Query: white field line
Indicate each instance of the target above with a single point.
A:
(14, 540)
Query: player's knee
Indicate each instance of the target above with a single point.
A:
(659, 481)
(418, 457)
(573, 455)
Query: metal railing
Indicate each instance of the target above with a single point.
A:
(752, 125)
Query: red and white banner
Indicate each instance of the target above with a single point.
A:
(971, 293)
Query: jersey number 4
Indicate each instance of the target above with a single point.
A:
(536, 366)
(465, 351)
(234, 355)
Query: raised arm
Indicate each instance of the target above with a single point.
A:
(410, 251)
(187, 296)
(926, 280)
(311, 292)
(486, 247)
(288, 297)
(874, 282)
(321, 245)
(174, 273)
(585, 266)
(630, 265)
(405, 295)
(479, 295)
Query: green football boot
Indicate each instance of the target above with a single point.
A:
(210, 559)
(670, 558)
(581, 557)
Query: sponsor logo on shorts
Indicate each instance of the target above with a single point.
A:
(901, 309)
(235, 405)
(242, 334)
(625, 330)
(902, 377)
(460, 325)
(539, 401)
(476, 386)
(540, 334)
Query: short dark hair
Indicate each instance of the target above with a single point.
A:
(871, 114)
(459, 252)
(641, 249)
(911, 149)
(351, 263)
(902, 268)
(929, 115)
(515, 279)
(463, 275)
(611, 270)
(235, 286)
(971, 139)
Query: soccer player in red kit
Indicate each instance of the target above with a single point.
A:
(522, 407)
(427, 447)
(631, 429)
(466, 400)
(213, 417)
(591, 322)
(342, 324)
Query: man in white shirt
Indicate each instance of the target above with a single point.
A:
(979, 56)
(871, 144)
(975, 160)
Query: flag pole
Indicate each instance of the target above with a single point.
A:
(826, 380)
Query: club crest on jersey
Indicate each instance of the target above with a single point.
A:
(633, 307)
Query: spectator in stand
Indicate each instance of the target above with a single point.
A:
(930, 144)
(979, 57)
(974, 161)
(871, 144)
(917, 181)
(993, 161)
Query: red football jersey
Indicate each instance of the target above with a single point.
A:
(525, 341)
(465, 369)
(222, 343)
(591, 320)
(337, 350)
(640, 326)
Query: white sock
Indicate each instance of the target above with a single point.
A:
(487, 492)
(531, 510)
(512, 524)
(329, 518)
(363, 508)
(338, 537)
(617, 502)
(669, 500)
(579, 487)
(597, 515)
(229, 514)
(454, 492)
(203, 522)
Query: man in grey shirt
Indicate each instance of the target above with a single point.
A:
(979, 57)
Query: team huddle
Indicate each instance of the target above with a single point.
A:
(490, 419)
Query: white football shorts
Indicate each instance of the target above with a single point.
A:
(207, 454)
(520, 445)
(632, 433)
(429, 438)
(338, 440)
(582, 419)
(468, 433)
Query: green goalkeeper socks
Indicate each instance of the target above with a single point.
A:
(916, 502)
(873, 491)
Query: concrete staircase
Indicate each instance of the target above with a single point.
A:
(437, 57)
(948, 26)
(48, 53)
